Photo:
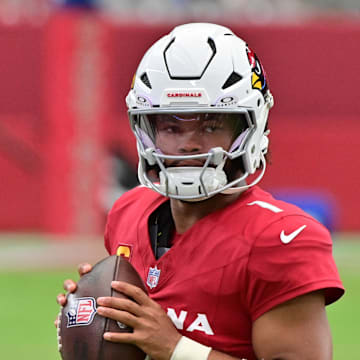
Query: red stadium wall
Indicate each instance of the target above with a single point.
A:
(22, 127)
(62, 109)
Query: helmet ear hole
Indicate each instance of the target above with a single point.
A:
(259, 102)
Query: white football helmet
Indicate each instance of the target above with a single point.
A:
(199, 69)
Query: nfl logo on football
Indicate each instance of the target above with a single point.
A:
(153, 277)
(81, 312)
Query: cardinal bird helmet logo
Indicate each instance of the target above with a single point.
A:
(258, 78)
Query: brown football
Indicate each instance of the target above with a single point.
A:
(80, 331)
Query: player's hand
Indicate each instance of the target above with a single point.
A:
(70, 286)
(153, 331)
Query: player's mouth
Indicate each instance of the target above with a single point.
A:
(185, 163)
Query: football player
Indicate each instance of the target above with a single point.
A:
(231, 271)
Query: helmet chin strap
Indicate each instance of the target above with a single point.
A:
(243, 185)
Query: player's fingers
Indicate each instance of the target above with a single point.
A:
(70, 285)
(122, 316)
(119, 337)
(131, 291)
(84, 268)
(58, 319)
(61, 299)
(121, 304)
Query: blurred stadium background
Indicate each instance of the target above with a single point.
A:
(66, 152)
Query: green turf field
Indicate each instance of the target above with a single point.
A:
(28, 308)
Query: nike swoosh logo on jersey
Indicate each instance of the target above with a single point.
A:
(288, 238)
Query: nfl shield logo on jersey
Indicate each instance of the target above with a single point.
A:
(81, 312)
(153, 277)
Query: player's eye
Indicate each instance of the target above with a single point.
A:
(169, 129)
(210, 129)
(212, 126)
(172, 129)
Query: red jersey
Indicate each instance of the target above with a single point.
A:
(230, 267)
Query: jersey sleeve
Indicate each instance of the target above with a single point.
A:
(291, 257)
(113, 217)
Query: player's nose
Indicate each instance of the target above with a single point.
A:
(190, 142)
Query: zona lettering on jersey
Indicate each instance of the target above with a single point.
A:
(200, 323)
